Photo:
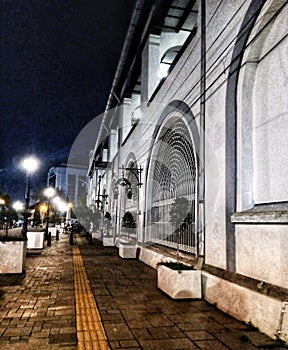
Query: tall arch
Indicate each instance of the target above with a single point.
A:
(128, 199)
(172, 175)
(263, 111)
(230, 126)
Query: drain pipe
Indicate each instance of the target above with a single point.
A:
(201, 181)
(279, 331)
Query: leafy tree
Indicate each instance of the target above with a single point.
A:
(108, 216)
(7, 213)
(128, 220)
(37, 221)
(128, 223)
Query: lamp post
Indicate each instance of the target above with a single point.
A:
(2, 204)
(30, 165)
(124, 182)
(49, 193)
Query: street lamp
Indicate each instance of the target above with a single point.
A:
(19, 208)
(100, 204)
(30, 165)
(49, 193)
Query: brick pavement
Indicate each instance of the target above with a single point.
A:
(137, 315)
(38, 309)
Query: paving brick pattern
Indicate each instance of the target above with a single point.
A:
(136, 315)
(37, 309)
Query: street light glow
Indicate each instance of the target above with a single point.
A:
(30, 164)
(43, 208)
(62, 206)
(56, 200)
(49, 192)
(18, 206)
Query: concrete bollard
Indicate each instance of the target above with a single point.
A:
(49, 239)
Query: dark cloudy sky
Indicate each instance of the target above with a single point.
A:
(58, 59)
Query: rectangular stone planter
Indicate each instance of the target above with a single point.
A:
(127, 250)
(53, 231)
(179, 284)
(96, 235)
(35, 240)
(108, 241)
(12, 256)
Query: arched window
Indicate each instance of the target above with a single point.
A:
(174, 174)
(263, 111)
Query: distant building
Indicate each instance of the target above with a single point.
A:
(70, 179)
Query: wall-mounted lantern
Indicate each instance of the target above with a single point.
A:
(122, 181)
(98, 202)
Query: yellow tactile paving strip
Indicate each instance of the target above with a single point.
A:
(90, 331)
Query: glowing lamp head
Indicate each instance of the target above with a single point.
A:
(49, 192)
(30, 164)
(18, 206)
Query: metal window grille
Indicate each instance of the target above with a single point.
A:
(174, 177)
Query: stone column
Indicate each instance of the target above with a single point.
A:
(126, 117)
(150, 67)
(112, 145)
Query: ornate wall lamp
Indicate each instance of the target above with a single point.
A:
(123, 181)
(104, 196)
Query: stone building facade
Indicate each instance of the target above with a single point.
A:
(198, 110)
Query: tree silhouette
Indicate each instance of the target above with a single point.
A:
(37, 221)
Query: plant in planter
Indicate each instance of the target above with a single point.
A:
(127, 248)
(108, 223)
(176, 279)
(37, 221)
(128, 225)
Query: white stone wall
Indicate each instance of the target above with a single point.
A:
(260, 249)
(262, 252)
(184, 84)
(244, 304)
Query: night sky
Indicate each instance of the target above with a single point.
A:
(58, 59)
